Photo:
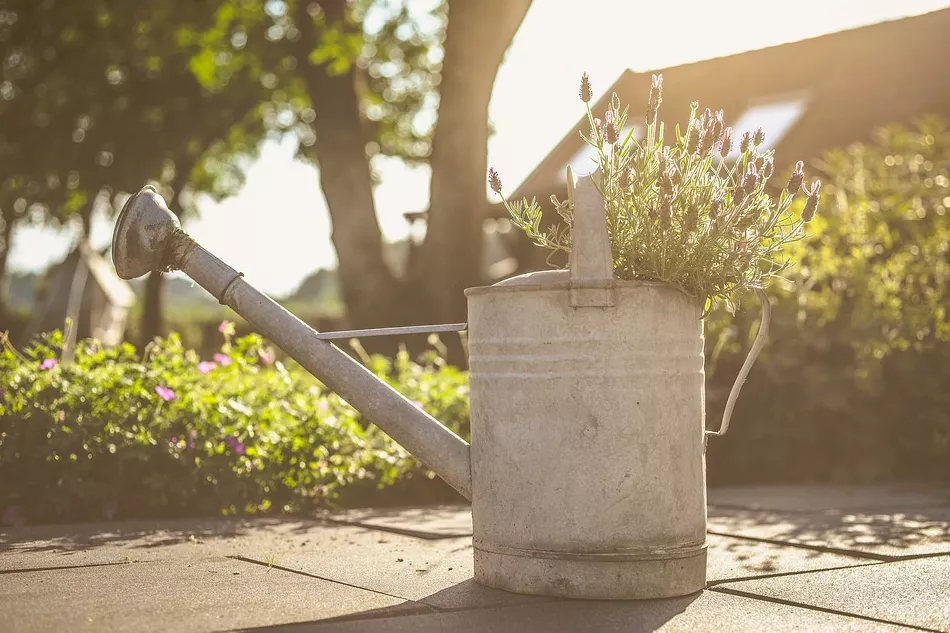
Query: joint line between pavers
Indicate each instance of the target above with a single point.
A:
(428, 536)
(308, 574)
(57, 568)
(799, 572)
(790, 603)
(882, 558)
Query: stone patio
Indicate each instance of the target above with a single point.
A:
(830, 558)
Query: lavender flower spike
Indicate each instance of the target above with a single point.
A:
(494, 181)
(796, 179)
(610, 128)
(725, 142)
(585, 93)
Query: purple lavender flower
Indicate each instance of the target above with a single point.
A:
(744, 143)
(494, 181)
(223, 359)
(610, 128)
(695, 137)
(49, 363)
(811, 206)
(796, 179)
(759, 137)
(811, 202)
(586, 94)
(750, 180)
(717, 124)
(725, 142)
(165, 393)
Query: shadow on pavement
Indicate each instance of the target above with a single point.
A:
(582, 616)
(142, 534)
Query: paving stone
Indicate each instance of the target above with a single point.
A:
(880, 535)
(891, 498)
(435, 572)
(362, 556)
(446, 521)
(186, 596)
(913, 592)
(92, 544)
(709, 612)
(439, 573)
(730, 558)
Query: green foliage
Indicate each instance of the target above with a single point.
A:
(392, 49)
(687, 214)
(853, 383)
(116, 435)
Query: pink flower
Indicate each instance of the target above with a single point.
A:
(165, 393)
(205, 366)
(223, 359)
(62, 416)
(226, 328)
(49, 363)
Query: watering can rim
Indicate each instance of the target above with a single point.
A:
(560, 279)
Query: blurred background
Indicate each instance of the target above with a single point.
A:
(336, 152)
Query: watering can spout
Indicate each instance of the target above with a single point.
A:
(148, 237)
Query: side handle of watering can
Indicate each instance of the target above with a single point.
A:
(747, 365)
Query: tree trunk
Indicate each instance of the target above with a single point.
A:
(153, 303)
(6, 224)
(153, 309)
(370, 291)
(477, 36)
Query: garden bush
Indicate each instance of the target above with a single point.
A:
(854, 384)
(118, 434)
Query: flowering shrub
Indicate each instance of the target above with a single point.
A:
(689, 214)
(116, 434)
(853, 384)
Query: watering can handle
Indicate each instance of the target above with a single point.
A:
(591, 259)
(747, 365)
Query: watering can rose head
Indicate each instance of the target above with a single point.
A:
(700, 214)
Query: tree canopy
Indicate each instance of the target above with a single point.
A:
(99, 97)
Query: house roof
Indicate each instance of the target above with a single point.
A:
(826, 92)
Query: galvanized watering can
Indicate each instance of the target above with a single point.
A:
(587, 470)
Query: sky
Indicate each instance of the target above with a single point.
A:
(277, 230)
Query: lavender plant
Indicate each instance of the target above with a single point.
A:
(687, 214)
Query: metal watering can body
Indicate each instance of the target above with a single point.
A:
(587, 466)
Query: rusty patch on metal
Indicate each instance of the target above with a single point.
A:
(180, 246)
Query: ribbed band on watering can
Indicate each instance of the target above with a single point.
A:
(591, 259)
